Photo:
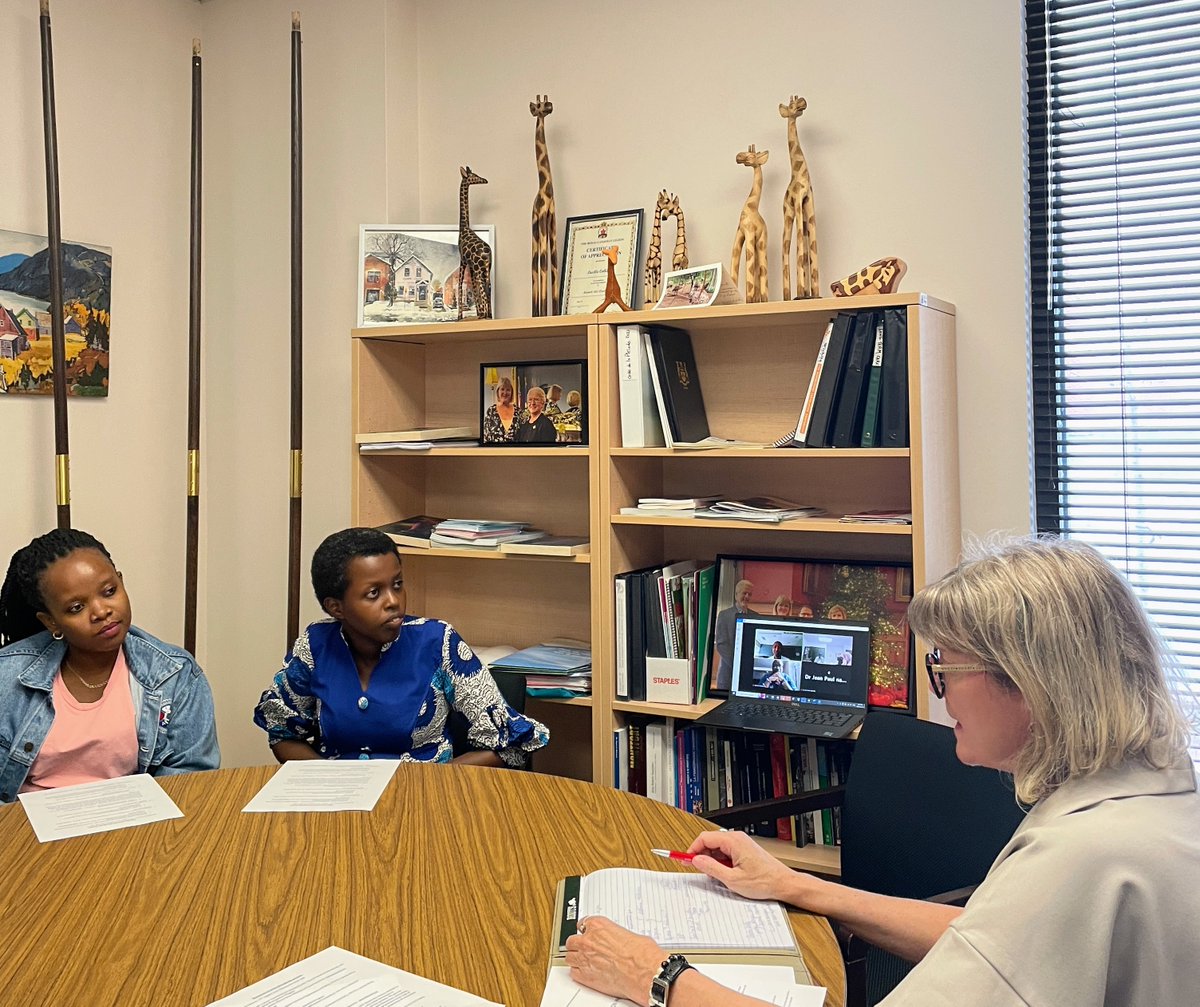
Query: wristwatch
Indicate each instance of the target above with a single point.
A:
(668, 972)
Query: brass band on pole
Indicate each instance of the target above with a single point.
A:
(62, 480)
(193, 478)
(297, 473)
(297, 341)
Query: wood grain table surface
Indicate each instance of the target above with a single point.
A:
(452, 876)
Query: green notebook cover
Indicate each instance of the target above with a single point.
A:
(870, 432)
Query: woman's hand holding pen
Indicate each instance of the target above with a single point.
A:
(750, 870)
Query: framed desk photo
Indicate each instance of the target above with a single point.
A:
(585, 266)
(874, 593)
(409, 274)
(534, 403)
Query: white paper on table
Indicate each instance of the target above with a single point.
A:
(774, 984)
(325, 785)
(683, 910)
(103, 806)
(336, 976)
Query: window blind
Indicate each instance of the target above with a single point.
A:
(1114, 189)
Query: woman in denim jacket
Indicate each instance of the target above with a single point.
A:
(85, 695)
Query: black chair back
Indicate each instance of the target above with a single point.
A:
(512, 687)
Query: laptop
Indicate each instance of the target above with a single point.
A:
(797, 676)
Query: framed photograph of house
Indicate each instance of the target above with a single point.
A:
(874, 593)
(585, 265)
(408, 274)
(533, 403)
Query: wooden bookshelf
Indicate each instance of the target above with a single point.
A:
(755, 361)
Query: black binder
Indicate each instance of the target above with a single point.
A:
(893, 405)
(820, 426)
(680, 383)
(847, 426)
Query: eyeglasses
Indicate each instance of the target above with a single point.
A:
(937, 671)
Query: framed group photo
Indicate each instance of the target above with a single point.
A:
(874, 593)
(408, 274)
(585, 265)
(533, 403)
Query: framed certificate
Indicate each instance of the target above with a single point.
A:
(585, 266)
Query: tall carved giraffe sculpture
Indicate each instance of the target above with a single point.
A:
(652, 286)
(752, 232)
(679, 258)
(612, 287)
(798, 211)
(473, 252)
(545, 227)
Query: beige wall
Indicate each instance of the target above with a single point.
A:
(913, 137)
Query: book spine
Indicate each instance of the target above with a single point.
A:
(630, 371)
(779, 778)
(622, 619)
(637, 757)
(728, 797)
(806, 410)
(712, 769)
(811, 782)
(664, 419)
(823, 782)
(870, 434)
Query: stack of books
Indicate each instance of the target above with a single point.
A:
(768, 510)
(670, 506)
(878, 517)
(419, 439)
(458, 533)
(551, 669)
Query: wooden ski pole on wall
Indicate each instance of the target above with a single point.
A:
(62, 454)
(191, 566)
(293, 612)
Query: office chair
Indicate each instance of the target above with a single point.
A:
(512, 688)
(916, 823)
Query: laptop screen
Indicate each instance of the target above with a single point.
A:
(802, 660)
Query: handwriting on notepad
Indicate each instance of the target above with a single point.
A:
(683, 910)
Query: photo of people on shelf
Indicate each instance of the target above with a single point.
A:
(536, 403)
(801, 662)
(876, 594)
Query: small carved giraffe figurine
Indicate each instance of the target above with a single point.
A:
(473, 251)
(798, 211)
(612, 289)
(679, 258)
(752, 232)
(881, 277)
(545, 227)
(653, 283)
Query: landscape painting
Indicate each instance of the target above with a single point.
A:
(26, 354)
(409, 274)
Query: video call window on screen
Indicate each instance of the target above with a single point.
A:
(814, 664)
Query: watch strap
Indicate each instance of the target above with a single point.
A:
(660, 986)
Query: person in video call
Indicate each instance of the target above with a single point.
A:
(536, 427)
(723, 634)
(373, 682)
(1054, 675)
(84, 694)
(780, 676)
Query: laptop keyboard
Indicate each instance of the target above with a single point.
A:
(794, 713)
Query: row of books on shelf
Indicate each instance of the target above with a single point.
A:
(663, 623)
(423, 531)
(857, 393)
(702, 769)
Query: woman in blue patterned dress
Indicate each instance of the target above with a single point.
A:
(374, 682)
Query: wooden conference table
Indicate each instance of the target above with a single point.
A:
(451, 877)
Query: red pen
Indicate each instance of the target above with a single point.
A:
(687, 858)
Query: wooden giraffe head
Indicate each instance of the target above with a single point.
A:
(610, 253)
(542, 107)
(882, 276)
(753, 158)
(470, 178)
(794, 108)
(668, 206)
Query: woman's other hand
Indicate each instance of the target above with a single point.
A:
(613, 960)
(750, 870)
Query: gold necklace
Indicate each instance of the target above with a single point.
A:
(67, 665)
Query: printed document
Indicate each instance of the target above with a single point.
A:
(335, 976)
(775, 984)
(683, 910)
(88, 808)
(325, 785)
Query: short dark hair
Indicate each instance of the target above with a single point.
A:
(21, 596)
(333, 556)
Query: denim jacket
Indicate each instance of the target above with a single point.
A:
(176, 730)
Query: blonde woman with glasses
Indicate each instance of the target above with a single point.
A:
(1053, 674)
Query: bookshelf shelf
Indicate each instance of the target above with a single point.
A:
(489, 554)
(755, 361)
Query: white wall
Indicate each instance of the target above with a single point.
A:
(122, 82)
(913, 136)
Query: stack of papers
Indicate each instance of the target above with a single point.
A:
(776, 984)
(461, 533)
(551, 670)
(670, 506)
(762, 509)
(878, 517)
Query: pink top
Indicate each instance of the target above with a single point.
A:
(88, 741)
